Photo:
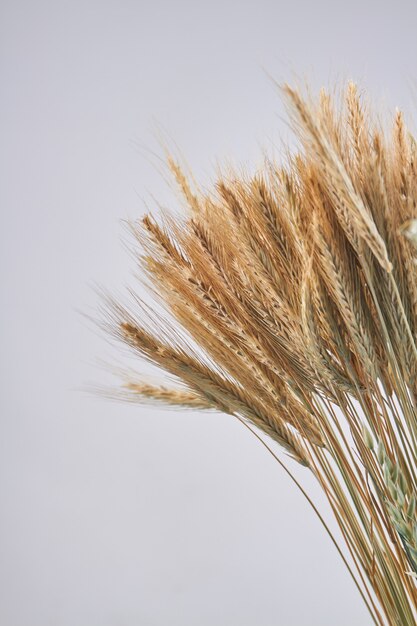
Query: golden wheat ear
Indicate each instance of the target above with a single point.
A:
(163, 395)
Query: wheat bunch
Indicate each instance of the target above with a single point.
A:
(291, 302)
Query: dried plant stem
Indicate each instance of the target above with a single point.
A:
(367, 598)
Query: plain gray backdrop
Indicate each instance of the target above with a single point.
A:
(114, 514)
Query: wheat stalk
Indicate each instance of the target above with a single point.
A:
(291, 301)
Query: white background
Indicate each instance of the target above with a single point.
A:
(113, 514)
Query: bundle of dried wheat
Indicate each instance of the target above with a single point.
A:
(298, 287)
